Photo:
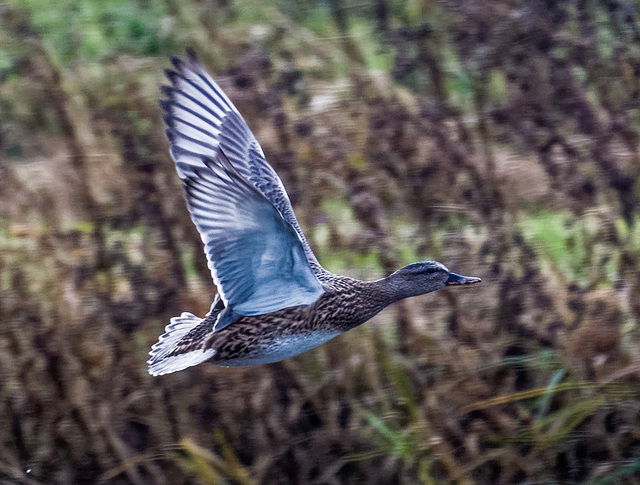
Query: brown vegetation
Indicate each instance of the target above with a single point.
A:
(501, 139)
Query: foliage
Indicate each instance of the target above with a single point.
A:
(94, 29)
(500, 138)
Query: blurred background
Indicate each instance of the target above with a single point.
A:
(498, 137)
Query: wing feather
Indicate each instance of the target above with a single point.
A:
(256, 258)
(202, 120)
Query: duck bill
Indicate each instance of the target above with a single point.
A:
(456, 279)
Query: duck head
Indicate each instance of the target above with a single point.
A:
(424, 277)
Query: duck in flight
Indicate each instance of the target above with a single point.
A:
(274, 299)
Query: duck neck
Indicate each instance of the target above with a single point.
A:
(383, 293)
(392, 289)
(368, 297)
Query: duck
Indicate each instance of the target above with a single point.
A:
(274, 299)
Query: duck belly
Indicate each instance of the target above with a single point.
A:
(279, 348)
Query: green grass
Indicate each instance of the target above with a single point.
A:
(558, 242)
(188, 260)
(5, 60)
(376, 55)
(629, 232)
(400, 443)
(575, 246)
(345, 260)
(92, 29)
(319, 21)
(247, 12)
(497, 85)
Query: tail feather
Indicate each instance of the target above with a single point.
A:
(181, 345)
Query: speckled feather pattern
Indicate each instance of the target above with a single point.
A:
(352, 303)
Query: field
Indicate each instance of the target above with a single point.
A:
(498, 137)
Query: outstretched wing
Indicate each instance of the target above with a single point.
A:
(255, 256)
(202, 120)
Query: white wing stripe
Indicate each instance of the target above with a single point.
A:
(191, 131)
(201, 98)
(194, 106)
(204, 76)
(189, 144)
(180, 137)
(177, 106)
(196, 98)
(193, 119)
(218, 106)
(174, 119)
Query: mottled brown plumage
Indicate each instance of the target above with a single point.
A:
(336, 311)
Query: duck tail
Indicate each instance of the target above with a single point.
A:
(182, 345)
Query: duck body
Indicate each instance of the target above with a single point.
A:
(275, 336)
(274, 299)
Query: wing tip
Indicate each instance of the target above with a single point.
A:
(192, 56)
(193, 62)
(177, 63)
(165, 104)
(168, 91)
(172, 75)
